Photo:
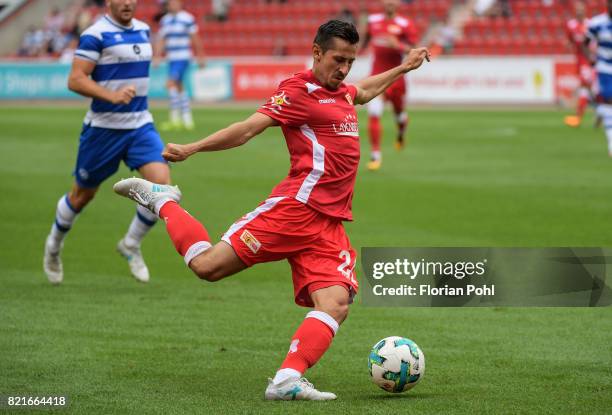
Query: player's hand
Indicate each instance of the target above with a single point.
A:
(415, 58)
(124, 95)
(177, 152)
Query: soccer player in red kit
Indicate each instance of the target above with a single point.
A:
(576, 32)
(301, 220)
(391, 36)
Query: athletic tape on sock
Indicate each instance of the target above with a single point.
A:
(325, 318)
(195, 250)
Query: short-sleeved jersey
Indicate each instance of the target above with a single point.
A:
(176, 30)
(576, 33)
(322, 135)
(122, 56)
(599, 29)
(380, 28)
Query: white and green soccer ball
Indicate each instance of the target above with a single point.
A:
(396, 364)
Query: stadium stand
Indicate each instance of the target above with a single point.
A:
(253, 27)
(526, 27)
(267, 28)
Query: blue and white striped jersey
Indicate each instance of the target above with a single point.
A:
(176, 30)
(600, 30)
(123, 57)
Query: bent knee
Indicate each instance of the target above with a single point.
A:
(338, 310)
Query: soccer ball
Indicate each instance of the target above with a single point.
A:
(396, 364)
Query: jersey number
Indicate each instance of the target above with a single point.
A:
(345, 268)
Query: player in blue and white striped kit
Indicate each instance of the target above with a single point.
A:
(599, 30)
(111, 65)
(177, 33)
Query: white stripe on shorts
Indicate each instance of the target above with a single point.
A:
(266, 206)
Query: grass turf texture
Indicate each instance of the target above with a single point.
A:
(178, 345)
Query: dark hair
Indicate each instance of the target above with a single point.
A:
(336, 28)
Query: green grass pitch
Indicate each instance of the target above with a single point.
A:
(179, 345)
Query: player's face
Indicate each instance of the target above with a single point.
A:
(580, 11)
(390, 6)
(334, 65)
(122, 10)
(175, 6)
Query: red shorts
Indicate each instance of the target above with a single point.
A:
(316, 245)
(396, 91)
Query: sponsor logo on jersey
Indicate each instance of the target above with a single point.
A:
(394, 29)
(348, 126)
(250, 241)
(118, 37)
(327, 101)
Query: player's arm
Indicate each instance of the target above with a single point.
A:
(79, 81)
(235, 135)
(158, 49)
(198, 47)
(370, 87)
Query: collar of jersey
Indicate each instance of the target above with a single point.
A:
(114, 23)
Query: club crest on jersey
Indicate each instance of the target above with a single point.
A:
(348, 98)
(118, 38)
(250, 241)
(136, 49)
(277, 101)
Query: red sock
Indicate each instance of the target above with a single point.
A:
(582, 104)
(375, 132)
(310, 341)
(184, 230)
(401, 118)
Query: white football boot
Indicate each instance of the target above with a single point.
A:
(52, 264)
(138, 268)
(146, 193)
(298, 389)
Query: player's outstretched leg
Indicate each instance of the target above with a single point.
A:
(308, 344)
(189, 236)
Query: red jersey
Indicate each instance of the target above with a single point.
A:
(380, 28)
(576, 33)
(322, 135)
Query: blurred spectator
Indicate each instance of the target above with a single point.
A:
(482, 7)
(54, 21)
(346, 15)
(220, 9)
(68, 52)
(33, 43)
(446, 37)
